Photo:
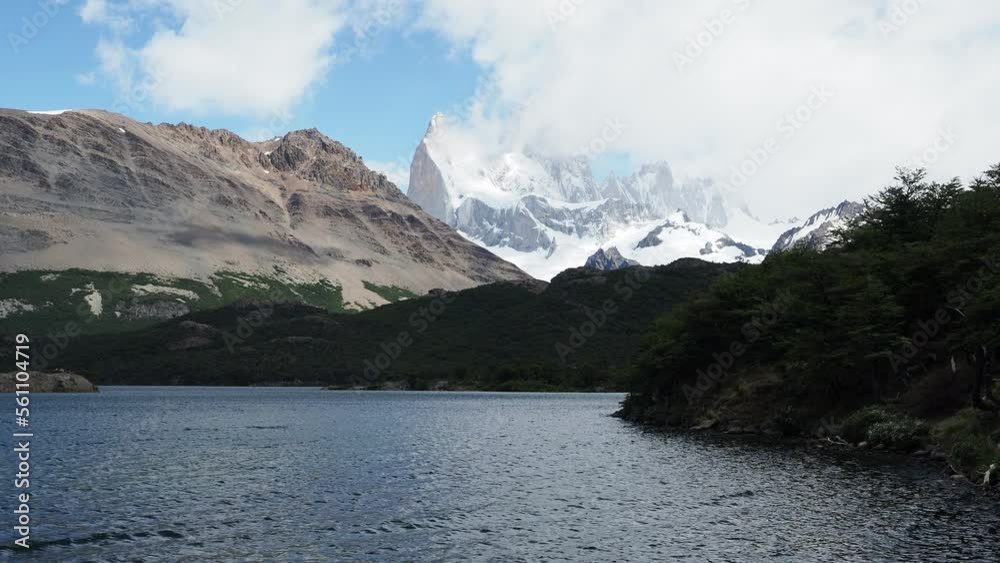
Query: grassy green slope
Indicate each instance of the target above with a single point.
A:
(40, 302)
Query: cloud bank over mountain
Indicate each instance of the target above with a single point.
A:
(706, 85)
(711, 87)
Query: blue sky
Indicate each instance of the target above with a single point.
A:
(378, 102)
(377, 99)
(701, 85)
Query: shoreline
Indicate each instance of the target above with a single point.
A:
(324, 387)
(932, 456)
(58, 381)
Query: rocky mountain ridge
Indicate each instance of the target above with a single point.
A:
(817, 231)
(547, 214)
(608, 261)
(98, 191)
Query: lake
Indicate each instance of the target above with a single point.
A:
(210, 474)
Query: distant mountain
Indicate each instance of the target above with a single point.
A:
(547, 214)
(609, 261)
(206, 215)
(677, 237)
(816, 232)
(653, 187)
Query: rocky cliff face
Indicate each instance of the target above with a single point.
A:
(816, 232)
(548, 214)
(99, 191)
(608, 261)
(427, 186)
(653, 187)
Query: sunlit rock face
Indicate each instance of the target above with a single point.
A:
(99, 191)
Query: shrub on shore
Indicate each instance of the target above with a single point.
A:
(879, 425)
(898, 433)
(972, 455)
(855, 428)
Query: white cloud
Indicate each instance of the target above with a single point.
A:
(229, 56)
(86, 78)
(114, 16)
(398, 172)
(94, 11)
(371, 21)
(567, 72)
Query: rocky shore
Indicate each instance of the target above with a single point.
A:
(49, 382)
(964, 444)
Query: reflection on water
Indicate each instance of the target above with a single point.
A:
(197, 474)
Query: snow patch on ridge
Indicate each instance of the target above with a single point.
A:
(13, 307)
(679, 238)
(151, 289)
(94, 300)
(745, 227)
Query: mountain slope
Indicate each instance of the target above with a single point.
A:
(534, 331)
(98, 191)
(609, 261)
(816, 232)
(547, 214)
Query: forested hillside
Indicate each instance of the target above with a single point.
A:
(580, 332)
(901, 316)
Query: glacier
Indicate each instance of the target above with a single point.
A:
(547, 214)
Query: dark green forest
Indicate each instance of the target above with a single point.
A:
(580, 332)
(887, 338)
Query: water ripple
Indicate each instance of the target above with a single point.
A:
(194, 474)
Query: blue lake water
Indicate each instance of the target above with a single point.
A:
(207, 474)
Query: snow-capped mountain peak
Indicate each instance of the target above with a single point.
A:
(816, 232)
(547, 213)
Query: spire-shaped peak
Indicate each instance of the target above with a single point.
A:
(609, 260)
(438, 123)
